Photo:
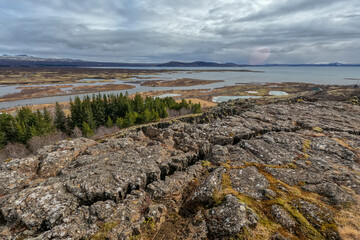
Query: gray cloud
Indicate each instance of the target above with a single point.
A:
(160, 30)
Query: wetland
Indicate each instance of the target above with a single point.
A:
(35, 86)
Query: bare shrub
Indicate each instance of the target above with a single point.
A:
(176, 113)
(101, 131)
(40, 141)
(76, 133)
(14, 150)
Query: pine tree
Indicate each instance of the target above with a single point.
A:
(154, 115)
(47, 123)
(76, 112)
(21, 133)
(98, 110)
(88, 116)
(47, 116)
(146, 116)
(162, 111)
(60, 118)
(130, 119)
(8, 127)
(86, 130)
(184, 104)
(120, 122)
(109, 122)
(138, 103)
(196, 108)
(2, 139)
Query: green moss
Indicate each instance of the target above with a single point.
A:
(305, 226)
(329, 227)
(135, 237)
(286, 194)
(244, 235)
(226, 165)
(205, 163)
(104, 231)
(291, 165)
(149, 223)
(301, 183)
(317, 129)
(306, 147)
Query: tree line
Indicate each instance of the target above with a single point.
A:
(87, 115)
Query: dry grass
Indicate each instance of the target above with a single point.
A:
(66, 75)
(48, 106)
(100, 88)
(203, 103)
(45, 91)
(178, 82)
(348, 221)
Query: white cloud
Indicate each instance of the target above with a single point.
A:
(162, 30)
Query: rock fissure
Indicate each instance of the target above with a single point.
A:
(240, 170)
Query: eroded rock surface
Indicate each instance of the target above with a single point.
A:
(274, 171)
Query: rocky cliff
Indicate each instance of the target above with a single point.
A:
(285, 170)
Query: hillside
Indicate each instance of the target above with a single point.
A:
(285, 169)
(30, 61)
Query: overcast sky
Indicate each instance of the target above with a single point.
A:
(242, 31)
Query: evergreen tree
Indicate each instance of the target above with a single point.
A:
(21, 134)
(76, 112)
(196, 108)
(98, 110)
(146, 116)
(184, 104)
(138, 103)
(130, 119)
(60, 118)
(120, 122)
(2, 139)
(47, 116)
(109, 122)
(88, 116)
(86, 130)
(46, 125)
(154, 115)
(162, 111)
(8, 127)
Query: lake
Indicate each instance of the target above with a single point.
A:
(317, 75)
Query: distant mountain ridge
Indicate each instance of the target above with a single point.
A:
(197, 64)
(31, 61)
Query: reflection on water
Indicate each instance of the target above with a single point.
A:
(168, 95)
(278, 93)
(227, 98)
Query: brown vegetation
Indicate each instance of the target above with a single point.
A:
(38, 92)
(178, 82)
(349, 221)
(17, 76)
(32, 92)
(19, 150)
(100, 88)
(14, 150)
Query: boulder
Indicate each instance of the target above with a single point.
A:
(230, 218)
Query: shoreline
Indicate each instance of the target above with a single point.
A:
(205, 95)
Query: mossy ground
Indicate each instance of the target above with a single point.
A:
(286, 195)
(104, 231)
